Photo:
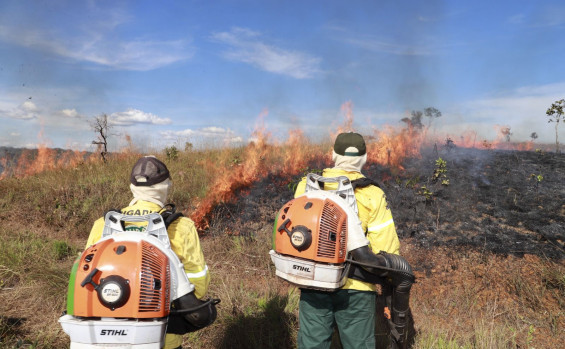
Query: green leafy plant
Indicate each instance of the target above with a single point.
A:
(426, 193)
(412, 182)
(440, 172)
(172, 152)
(537, 177)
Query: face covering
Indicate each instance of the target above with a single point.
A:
(156, 193)
(349, 163)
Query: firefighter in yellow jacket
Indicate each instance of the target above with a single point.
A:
(150, 184)
(352, 307)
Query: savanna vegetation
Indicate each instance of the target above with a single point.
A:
(463, 297)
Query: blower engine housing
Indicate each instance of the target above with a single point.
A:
(125, 279)
(310, 240)
(121, 288)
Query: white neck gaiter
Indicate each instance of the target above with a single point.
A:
(349, 163)
(156, 193)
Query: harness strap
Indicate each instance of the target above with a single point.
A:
(364, 182)
(170, 215)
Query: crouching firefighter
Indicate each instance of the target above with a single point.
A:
(367, 254)
(150, 185)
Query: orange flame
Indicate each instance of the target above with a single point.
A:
(240, 175)
(392, 146)
(296, 153)
(46, 159)
(386, 145)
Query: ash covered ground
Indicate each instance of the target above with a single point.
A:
(504, 202)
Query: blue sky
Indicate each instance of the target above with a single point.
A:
(168, 72)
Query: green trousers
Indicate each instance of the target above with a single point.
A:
(353, 312)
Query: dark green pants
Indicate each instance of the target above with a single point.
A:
(353, 312)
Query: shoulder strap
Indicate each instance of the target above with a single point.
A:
(116, 211)
(170, 214)
(364, 182)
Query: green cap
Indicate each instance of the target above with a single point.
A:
(350, 144)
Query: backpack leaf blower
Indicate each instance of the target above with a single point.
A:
(310, 238)
(124, 289)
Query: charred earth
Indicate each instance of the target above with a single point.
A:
(484, 231)
(505, 202)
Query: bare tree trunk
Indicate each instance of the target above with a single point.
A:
(101, 127)
(557, 137)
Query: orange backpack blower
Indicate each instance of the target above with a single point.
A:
(310, 235)
(121, 288)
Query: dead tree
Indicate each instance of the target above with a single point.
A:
(101, 127)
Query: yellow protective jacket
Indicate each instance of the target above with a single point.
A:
(374, 213)
(184, 242)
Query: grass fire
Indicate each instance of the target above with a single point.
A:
(482, 223)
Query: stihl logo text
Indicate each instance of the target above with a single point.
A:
(301, 268)
(113, 333)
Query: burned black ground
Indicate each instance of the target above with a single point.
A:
(503, 202)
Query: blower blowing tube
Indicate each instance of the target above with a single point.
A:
(396, 271)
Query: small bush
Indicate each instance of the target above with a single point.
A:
(172, 152)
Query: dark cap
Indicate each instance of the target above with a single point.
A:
(347, 140)
(148, 171)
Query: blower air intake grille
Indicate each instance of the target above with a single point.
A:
(342, 241)
(153, 282)
(330, 231)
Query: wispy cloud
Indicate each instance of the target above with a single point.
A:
(247, 46)
(133, 55)
(221, 136)
(25, 111)
(70, 113)
(421, 45)
(376, 45)
(543, 17)
(101, 47)
(133, 116)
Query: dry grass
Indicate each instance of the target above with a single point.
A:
(462, 299)
(258, 310)
(482, 300)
